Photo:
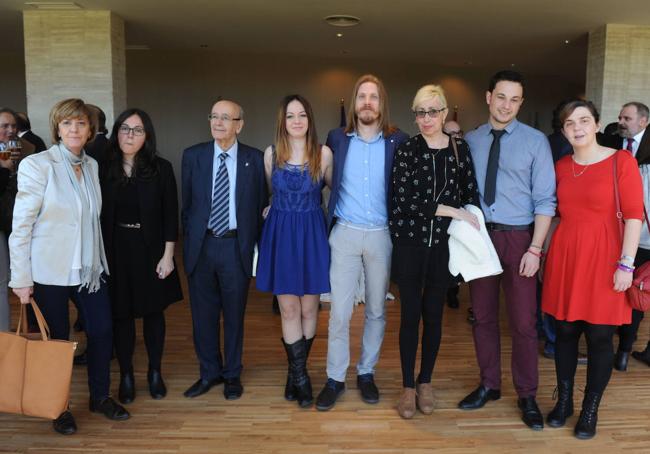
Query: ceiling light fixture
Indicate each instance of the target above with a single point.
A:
(54, 6)
(342, 20)
(339, 35)
(566, 41)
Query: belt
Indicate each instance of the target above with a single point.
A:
(226, 234)
(493, 226)
(129, 226)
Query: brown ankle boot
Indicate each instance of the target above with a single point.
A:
(406, 404)
(425, 397)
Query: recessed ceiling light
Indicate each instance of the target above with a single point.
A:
(342, 20)
(566, 41)
(339, 35)
(54, 6)
(512, 64)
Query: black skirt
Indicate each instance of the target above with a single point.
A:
(421, 265)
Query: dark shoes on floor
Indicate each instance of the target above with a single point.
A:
(157, 388)
(330, 393)
(126, 393)
(65, 424)
(201, 387)
(479, 397)
(564, 406)
(367, 388)
(109, 408)
(643, 356)
(586, 425)
(530, 414)
(620, 360)
(232, 388)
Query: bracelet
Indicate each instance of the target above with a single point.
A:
(535, 246)
(623, 267)
(539, 254)
(627, 257)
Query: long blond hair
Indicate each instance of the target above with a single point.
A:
(384, 117)
(282, 145)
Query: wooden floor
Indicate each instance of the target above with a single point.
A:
(262, 421)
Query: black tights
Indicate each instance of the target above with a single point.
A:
(153, 327)
(600, 352)
(415, 305)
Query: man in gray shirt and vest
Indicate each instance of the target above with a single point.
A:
(516, 179)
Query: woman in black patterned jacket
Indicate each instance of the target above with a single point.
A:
(430, 185)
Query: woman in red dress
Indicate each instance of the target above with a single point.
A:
(588, 267)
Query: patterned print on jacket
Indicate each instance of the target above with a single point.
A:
(423, 178)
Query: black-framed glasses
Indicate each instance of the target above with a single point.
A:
(126, 130)
(433, 113)
(225, 118)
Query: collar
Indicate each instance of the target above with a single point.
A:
(232, 151)
(377, 138)
(509, 129)
(22, 133)
(638, 137)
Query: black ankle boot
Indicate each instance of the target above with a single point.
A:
(297, 354)
(157, 387)
(586, 425)
(126, 393)
(289, 391)
(564, 405)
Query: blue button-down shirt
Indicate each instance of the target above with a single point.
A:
(231, 165)
(526, 178)
(362, 197)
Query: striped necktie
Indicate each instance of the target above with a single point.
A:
(220, 213)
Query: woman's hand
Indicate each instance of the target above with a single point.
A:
(622, 280)
(24, 294)
(165, 267)
(265, 211)
(466, 216)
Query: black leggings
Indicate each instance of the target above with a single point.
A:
(153, 327)
(600, 352)
(427, 305)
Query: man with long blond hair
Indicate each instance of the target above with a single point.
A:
(359, 238)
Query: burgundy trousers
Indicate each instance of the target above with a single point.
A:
(521, 307)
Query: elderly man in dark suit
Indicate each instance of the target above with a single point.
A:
(632, 129)
(224, 193)
(25, 132)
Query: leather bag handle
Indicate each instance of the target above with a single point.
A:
(617, 196)
(42, 324)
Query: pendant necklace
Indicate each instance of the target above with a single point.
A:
(573, 168)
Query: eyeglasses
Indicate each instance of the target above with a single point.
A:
(225, 118)
(137, 131)
(433, 113)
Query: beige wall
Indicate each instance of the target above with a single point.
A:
(618, 67)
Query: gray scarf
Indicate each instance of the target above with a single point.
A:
(93, 258)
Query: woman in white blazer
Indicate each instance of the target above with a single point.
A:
(56, 247)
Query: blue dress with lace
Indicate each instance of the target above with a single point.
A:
(294, 254)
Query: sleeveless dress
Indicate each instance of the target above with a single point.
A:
(294, 254)
(582, 256)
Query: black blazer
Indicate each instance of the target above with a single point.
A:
(97, 148)
(158, 204)
(251, 198)
(32, 138)
(618, 142)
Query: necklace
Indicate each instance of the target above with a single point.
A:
(573, 168)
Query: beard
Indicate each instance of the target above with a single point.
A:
(368, 116)
(623, 131)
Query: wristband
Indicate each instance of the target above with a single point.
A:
(628, 258)
(536, 254)
(627, 269)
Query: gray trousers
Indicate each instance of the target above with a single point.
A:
(354, 250)
(4, 281)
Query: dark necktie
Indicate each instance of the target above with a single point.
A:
(630, 145)
(492, 168)
(220, 213)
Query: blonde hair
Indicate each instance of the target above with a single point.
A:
(384, 118)
(429, 92)
(71, 108)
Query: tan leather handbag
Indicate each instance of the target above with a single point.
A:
(35, 371)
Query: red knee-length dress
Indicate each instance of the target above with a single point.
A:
(579, 272)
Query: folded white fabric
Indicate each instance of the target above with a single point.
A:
(471, 252)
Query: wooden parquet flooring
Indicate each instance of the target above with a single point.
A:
(263, 422)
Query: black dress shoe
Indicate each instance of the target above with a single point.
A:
(479, 397)
(81, 360)
(620, 360)
(327, 397)
(643, 356)
(157, 387)
(126, 393)
(232, 388)
(65, 424)
(202, 386)
(530, 414)
(368, 389)
(109, 408)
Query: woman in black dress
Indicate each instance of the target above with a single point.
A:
(140, 226)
